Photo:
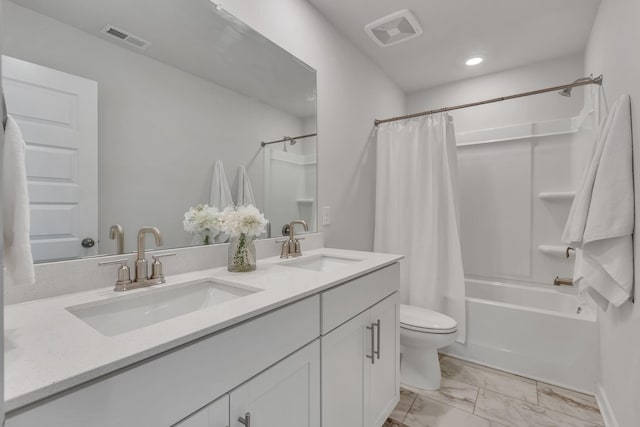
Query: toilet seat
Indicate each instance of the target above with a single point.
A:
(427, 321)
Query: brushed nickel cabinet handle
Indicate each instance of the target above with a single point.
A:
(377, 325)
(372, 356)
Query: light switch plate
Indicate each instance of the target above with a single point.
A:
(326, 215)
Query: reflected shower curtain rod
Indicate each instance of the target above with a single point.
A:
(580, 82)
(288, 138)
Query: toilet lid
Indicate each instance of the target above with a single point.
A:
(422, 319)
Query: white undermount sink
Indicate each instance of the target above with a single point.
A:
(323, 263)
(128, 312)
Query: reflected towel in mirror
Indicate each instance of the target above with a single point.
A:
(220, 195)
(245, 190)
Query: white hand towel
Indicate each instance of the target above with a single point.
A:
(220, 195)
(245, 190)
(601, 221)
(15, 208)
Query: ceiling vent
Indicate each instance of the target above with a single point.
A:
(398, 27)
(126, 37)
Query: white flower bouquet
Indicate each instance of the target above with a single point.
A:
(201, 221)
(243, 224)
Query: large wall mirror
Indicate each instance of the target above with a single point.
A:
(126, 106)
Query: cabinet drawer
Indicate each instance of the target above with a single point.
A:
(346, 301)
(180, 382)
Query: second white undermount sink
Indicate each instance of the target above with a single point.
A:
(129, 312)
(322, 263)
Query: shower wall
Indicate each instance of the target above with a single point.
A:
(509, 153)
(516, 188)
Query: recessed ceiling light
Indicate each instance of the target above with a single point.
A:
(474, 61)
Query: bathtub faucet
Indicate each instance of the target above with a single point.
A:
(567, 282)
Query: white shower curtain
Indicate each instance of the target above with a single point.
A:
(417, 212)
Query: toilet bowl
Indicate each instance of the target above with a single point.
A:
(422, 333)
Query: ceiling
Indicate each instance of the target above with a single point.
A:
(507, 33)
(194, 37)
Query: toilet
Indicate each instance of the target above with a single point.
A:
(422, 333)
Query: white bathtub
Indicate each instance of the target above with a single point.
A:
(540, 333)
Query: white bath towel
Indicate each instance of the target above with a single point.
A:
(15, 208)
(601, 220)
(245, 190)
(220, 195)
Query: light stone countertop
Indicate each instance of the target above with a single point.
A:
(49, 350)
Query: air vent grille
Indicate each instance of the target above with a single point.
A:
(397, 27)
(126, 37)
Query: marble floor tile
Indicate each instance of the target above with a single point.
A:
(452, 392)
(391, 423)
(490, 379)
(516, 413)
(402, 408)
(569, 402)
(429, 413)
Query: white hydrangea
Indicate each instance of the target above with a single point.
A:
(246, 220)
(201, 218)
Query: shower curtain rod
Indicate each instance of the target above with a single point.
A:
(580, 82)
(288, 138)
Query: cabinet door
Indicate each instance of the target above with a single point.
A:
(285, 395)
(214, 415)
(345, 373)
(384, 386)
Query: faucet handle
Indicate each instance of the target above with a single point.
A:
(156, 267)
(284, 250)
(162, 255)
(124, 273)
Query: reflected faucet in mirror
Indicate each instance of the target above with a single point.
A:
(116, 232)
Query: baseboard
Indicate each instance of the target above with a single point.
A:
(605, 407)
(520, 373)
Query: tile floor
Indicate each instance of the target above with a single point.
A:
(476, 396)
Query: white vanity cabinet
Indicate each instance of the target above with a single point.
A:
(285, 395)
(164, 390)
(328, 359)
(360, 357)
(215, 414)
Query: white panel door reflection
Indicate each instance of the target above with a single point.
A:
(58, 116)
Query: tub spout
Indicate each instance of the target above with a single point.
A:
(566, 281)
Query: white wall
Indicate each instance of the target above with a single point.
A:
(612, 50)
(160, 129)
(352, 91)
(1, 252)
(530, 109)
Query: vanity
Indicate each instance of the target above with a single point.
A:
(304, 342)
(127, 125)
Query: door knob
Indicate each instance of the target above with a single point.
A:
(88, 242)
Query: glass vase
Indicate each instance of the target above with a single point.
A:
(242, 254)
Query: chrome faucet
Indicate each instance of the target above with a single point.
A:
(141, 271)
(116, 232)
(291, 246)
